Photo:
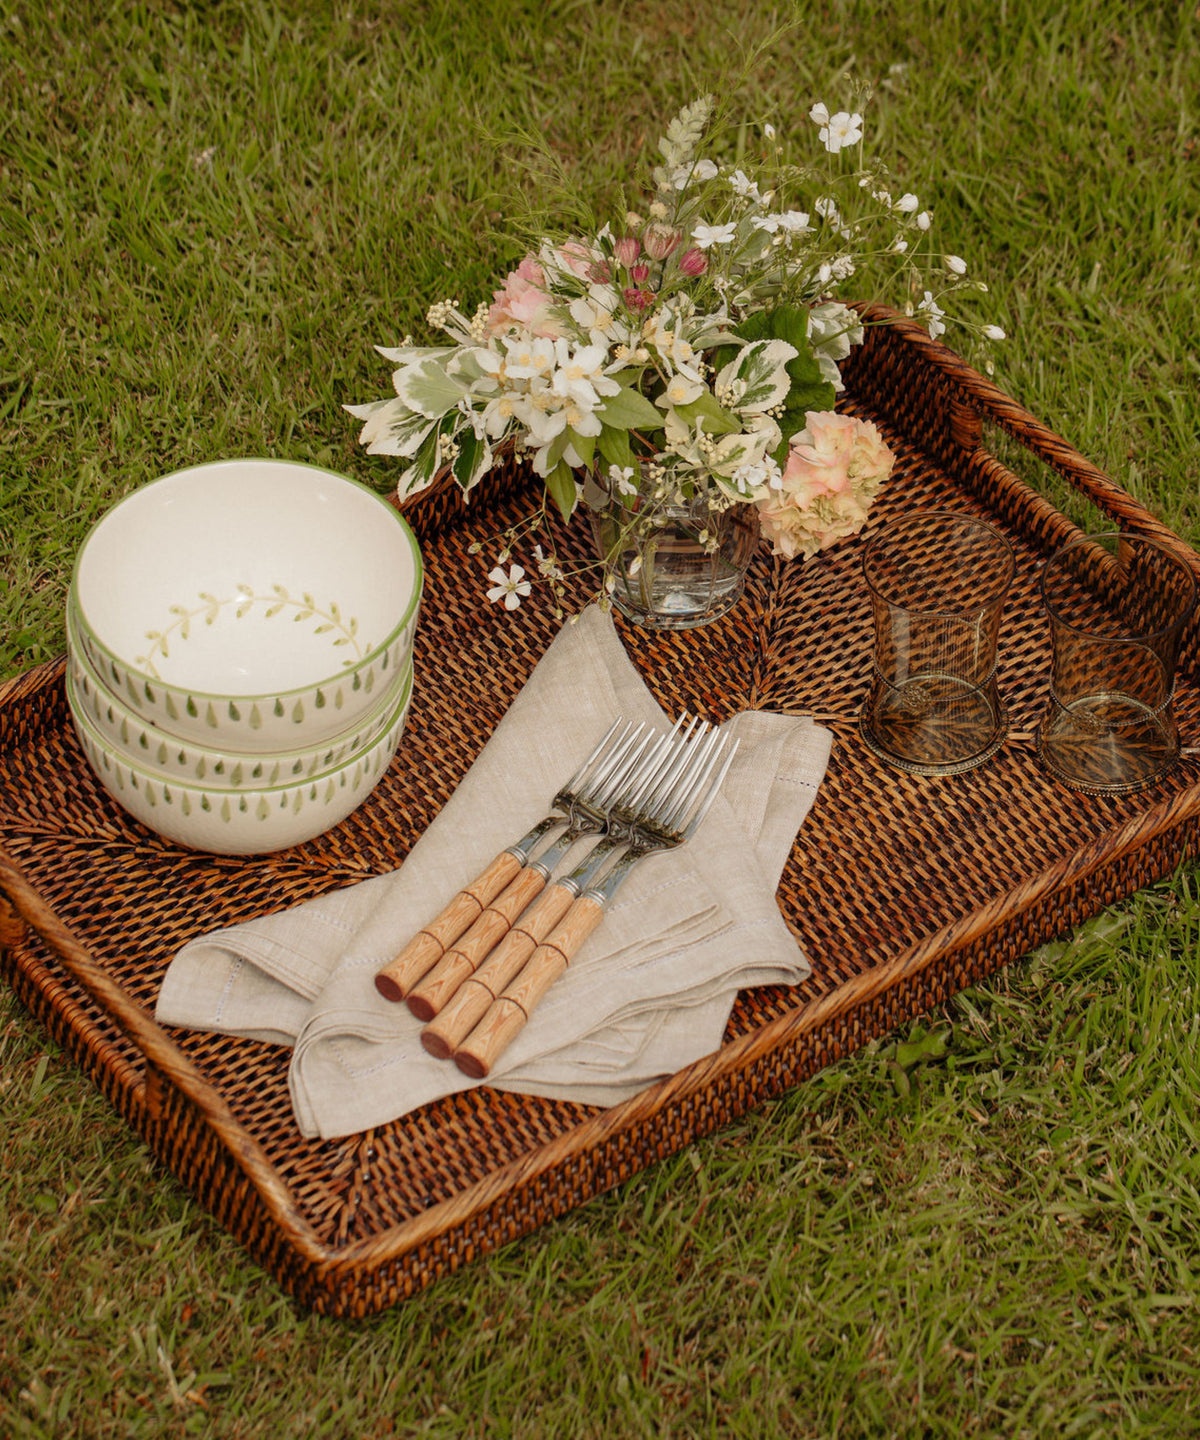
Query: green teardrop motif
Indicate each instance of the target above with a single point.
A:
(226, 813)
(192, 708)
(279, 710)
(210, 717)
(320, 700)
(263, 810)
(172, 708)
(185, 805)
(234, 712)
(255, 718)
(163, 753)
(298, 713)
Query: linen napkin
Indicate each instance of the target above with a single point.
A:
(650, 990)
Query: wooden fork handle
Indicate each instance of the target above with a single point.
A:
(458, 1017)
(506, 1016)
(457, 964)
(430, 943)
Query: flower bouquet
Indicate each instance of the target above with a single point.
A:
(676, 373)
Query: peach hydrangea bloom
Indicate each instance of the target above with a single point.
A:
(834, 470)
(525, 301)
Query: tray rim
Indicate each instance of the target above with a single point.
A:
(973, 399)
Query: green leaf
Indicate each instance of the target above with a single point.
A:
(474, 458)
(614, 446)
(583, 445)
(427, 388)
(627, 410)
(716, 421)
(560, 486)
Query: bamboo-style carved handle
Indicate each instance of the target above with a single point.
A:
(443, 1035)
(465, 1008)
(431, 993)
(505, 1016)
(428, 946)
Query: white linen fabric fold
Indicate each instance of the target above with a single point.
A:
(651, 989)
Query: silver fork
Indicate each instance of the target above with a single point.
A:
(663, 817)
(462, 1010)
(612, 758)
(587, 814)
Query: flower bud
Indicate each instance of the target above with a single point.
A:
(626, 250)
(661, 240)
(693, 261)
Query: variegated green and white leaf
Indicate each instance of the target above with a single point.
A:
(757, 379)
(427, 388)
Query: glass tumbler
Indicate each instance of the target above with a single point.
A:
(1117, 605)
(937, 581)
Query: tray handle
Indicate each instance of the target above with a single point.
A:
(954, 430)
(894, 372)
(23, 911)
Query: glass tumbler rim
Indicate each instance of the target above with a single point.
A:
(1142, 637)
(887, 532)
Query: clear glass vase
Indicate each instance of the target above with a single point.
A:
(675, 565)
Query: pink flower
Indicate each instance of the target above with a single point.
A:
(834, 470)
(524, 301)
(693, 261)
(638, 299)
(639, 273)
(626, 250)
(661, 240)
(577, 257)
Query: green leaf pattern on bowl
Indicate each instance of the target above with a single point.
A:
(278, 601)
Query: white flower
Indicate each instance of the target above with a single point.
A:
(683, 175)
(795, 222)
(546, 564)
(993, 332)
(826, 208)
(956, 264)
(907, 203)
(509, 588)
(706, 235)
(924, 220)
(899, 244)
(622, 477)
(744, 186)
(840, 130)
(747, 479)
(769, 223)
(930, 308)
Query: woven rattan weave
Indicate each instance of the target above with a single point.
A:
(903, 889)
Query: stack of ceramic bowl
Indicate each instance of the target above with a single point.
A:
(240, 651)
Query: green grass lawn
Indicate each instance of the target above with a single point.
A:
(990, 1226)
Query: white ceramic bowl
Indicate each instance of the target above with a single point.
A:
(232, 821)
(251, 605)
(153, 749)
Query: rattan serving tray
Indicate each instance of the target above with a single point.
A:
(902, 889)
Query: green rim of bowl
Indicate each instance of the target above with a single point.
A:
(81, 717)
(372, 655)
